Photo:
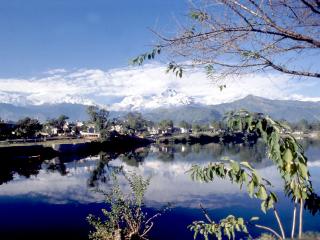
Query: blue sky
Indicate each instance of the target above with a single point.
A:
(90, 42)
(38, 35)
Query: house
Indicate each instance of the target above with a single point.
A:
(118, 128)
(79, 124)
(91, 132)
(153, 130)
(89, 135)
(91, 128)
(185, 130)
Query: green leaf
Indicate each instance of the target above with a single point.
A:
(302, 168)
(235, 166)
(250, 188)
(262, 193)
(247, 165)
(287, 156)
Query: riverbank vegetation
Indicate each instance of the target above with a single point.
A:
(124, 219)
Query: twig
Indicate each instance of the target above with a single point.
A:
(279, 223)
(300, 218)
(268, 229)
(294, 218)
(205, 213)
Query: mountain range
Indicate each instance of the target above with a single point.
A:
(184, 109)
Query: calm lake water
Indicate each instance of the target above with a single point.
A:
(50, 199)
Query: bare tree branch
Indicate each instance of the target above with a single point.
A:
(243, 36)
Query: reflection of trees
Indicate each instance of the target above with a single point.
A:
(22, 167)
(185, 149)
(253, 153)
(166, 153)
(196, 148)
(31, 166)
(56, 164)
(102, 171)
(135, 157)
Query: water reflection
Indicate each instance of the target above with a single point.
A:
(70, 181)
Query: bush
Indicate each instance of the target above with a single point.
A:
(125, 219)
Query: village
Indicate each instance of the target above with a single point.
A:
(101, 127)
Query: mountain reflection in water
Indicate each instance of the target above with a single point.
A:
(68, 183)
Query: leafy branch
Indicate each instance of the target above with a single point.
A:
(288, 156)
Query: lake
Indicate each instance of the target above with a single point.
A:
(50, 199)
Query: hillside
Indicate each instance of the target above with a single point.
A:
(292, 111)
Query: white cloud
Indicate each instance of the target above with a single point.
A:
(142, 87)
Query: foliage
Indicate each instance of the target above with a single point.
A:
(57, 122)
(99, 117)
(283, 149)
(134, 122)
(287, 155)
(239, 173)
(146, 56)
(6, 130)
(27, 127)
(216, 125)
(227, 226)
(184, 124)
(165, 124)
(125, 219)
(175, 68)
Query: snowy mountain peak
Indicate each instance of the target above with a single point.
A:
(168, 98)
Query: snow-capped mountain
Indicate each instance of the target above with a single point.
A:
(141, 89)
(25, 99)
(168, 98)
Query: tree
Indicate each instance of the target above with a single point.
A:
(62, 119)
(6, 130)
(196, 128)
(57, 122)
(165, 124)
(302, 125)
(27, 127)
(135, 122)
(216, 125)
(99, 117)
(184, 124)
(231, 37)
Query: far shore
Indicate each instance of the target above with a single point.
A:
(174, 138)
